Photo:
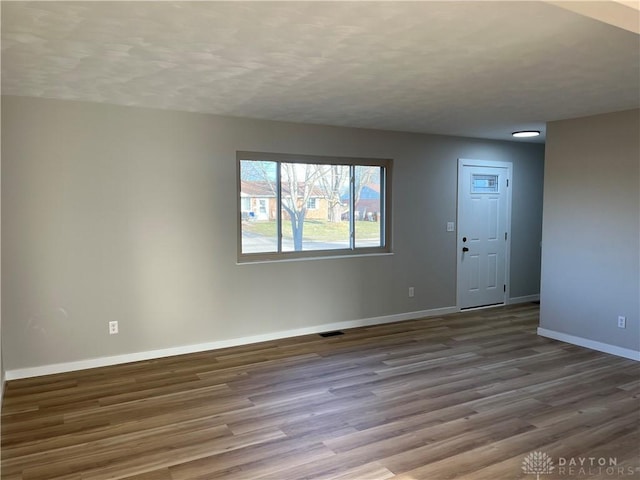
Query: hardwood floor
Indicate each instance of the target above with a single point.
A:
(468, 395)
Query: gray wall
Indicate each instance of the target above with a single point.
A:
(129, 214)
(1, 363)
(591, 231)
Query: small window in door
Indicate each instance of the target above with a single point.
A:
(484, 183)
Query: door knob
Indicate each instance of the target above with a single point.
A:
(465, 249)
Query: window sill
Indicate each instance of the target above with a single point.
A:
(313, 258)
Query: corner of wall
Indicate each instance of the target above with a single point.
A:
(2, 375)
(590, 253)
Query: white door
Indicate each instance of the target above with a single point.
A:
(484, 201)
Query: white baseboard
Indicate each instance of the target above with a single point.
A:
(525, 299)
(202, 347)
(592, 344)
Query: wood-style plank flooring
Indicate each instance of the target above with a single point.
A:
(467, 395)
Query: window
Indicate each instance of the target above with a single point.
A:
(308, 206)
(484, 183)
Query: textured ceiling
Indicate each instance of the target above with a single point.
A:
(480, 69)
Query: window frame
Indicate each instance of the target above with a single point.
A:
(279, 158)
(314, 201)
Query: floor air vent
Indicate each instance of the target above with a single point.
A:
(331, 334)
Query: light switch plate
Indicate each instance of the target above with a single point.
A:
(450, 226)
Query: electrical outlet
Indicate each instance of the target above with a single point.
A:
(113, 328)
(622, 322)
(411, 292)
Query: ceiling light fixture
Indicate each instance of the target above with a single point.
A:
(526, 133)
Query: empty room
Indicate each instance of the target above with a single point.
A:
(320, 240)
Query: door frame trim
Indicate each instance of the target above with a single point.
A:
(467, 162)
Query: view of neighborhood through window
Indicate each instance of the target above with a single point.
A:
(288, 206)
